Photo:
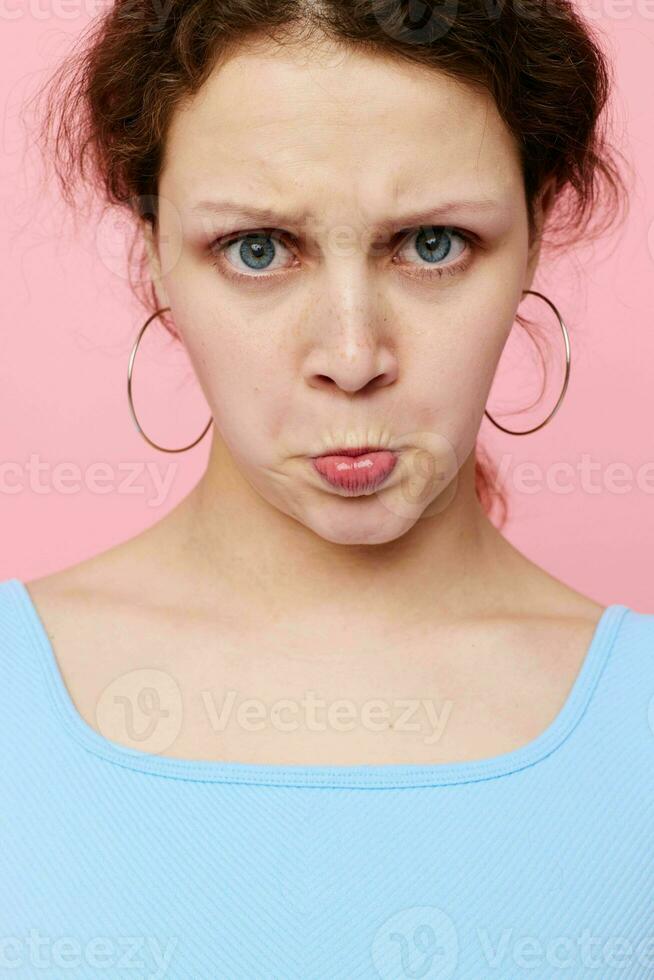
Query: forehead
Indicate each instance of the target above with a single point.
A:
(329, 124)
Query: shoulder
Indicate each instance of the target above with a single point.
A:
(628, 658)
(637, 629)
(123, 575)
(119, 576)
(81, 606)
(11, 612)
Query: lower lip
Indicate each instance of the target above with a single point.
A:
(356, 473)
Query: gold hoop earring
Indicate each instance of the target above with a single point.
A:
(129, 393)
(566, 340)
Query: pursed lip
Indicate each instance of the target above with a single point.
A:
(359, 451)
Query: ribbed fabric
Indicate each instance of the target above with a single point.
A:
(536, 863)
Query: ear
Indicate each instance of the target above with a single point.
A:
(542, 205)
(154, 262)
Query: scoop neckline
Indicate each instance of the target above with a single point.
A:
(374, 776)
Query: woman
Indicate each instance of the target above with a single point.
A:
(342, 210)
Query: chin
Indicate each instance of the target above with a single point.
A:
(358, 520)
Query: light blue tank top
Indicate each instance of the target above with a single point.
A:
(116, 862)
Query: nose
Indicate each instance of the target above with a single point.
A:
(351, 343)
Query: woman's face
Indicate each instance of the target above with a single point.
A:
(343, 243)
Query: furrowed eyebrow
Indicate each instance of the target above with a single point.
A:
(268, 216)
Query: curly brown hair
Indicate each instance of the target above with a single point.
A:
(109, 105)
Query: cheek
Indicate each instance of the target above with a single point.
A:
(246, 383)
(453, 372)
(462, 358)
(245, 373)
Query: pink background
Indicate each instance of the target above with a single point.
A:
(69, 322)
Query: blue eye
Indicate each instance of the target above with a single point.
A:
(434, 243)
(255, 250)
(265, 252)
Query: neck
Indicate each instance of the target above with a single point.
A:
(236, 544)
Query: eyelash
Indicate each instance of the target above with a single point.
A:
(454, 268)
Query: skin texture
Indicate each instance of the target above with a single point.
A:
(264, 579)
(345, 341)
(342, 340)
